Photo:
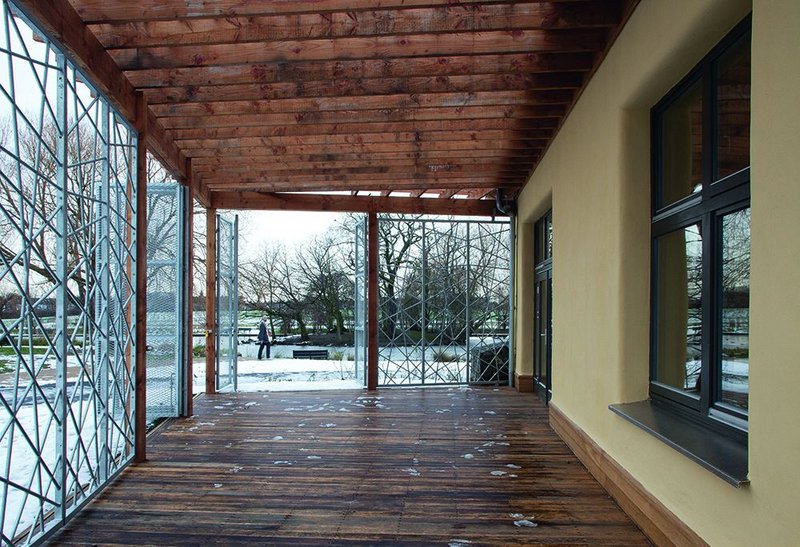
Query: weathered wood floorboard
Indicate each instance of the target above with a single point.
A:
(331, 468)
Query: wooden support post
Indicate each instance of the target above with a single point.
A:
(189, 257)
(372, 301)
(140, 412)
(211, 299)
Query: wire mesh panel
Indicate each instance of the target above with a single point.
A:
(67, 286)
(165, 331)
(360, 312)
(227, 303)
(442, 286)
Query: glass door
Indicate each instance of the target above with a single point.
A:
(543, 306)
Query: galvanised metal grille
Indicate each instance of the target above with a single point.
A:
(227, 302)
(165, 305)
(444, 289)
(360, 300)
(67, 279)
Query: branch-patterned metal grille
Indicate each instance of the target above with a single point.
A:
(444, 301)
(67, 286)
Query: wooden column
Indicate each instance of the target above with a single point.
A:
(189, 371)
(372, 301)
(211, 298)
(140, 412)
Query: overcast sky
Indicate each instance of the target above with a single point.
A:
(289, 227)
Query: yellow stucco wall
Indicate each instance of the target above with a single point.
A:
(596, 175)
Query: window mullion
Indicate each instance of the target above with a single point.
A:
(708, 304)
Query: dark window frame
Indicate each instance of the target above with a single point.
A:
(543, 274)
(716, 198)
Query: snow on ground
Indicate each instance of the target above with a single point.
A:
(288, 375)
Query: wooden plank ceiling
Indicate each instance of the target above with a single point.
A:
(405, 98)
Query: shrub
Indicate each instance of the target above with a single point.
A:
(441, 356)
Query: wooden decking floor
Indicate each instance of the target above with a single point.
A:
(444, 466)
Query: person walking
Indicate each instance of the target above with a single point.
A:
(263, 337)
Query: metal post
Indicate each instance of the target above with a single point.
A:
(467, 308)
(180, 301)
(372, 301)
(424, 295)
(211, 298)
(141, 280)
(189, 258)
(357, 298)
(103, 301)
(511, 266)
(234, 296)
(62, 330)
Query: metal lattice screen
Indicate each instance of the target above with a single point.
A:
(360, 300)
(444, 289)
(165, 306)
(67, 286)
(227, 302)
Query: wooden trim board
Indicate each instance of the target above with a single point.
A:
(649, 514)
(523, 382)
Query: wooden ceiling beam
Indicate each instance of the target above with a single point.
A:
(355, 70)
(534, 129)
(269, 28)
(548, 113)
(376, 47)
(310, 106)
(361, 88)
(103, 11)
(355, 204)
(59, 20)
(477, 193)
(446, 193)
(407, 171)
(369, 138)
(367, 148)
(438, 157)
(360, 186)
(378, 163)
(415, 180)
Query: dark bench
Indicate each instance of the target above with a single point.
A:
(309, 354)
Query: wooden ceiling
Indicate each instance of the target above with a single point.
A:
(401, 98)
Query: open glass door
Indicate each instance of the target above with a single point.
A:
(227, 302)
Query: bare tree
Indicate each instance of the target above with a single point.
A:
(327, 283)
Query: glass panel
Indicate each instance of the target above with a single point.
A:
(733, 109)
(679, 317)
(682, 147)
(544, 321)
(549, 236)
(735, 321)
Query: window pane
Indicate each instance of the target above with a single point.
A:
(549, 236)
(682, 147)
(735, 321)
(733, 109)
(679, 317)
